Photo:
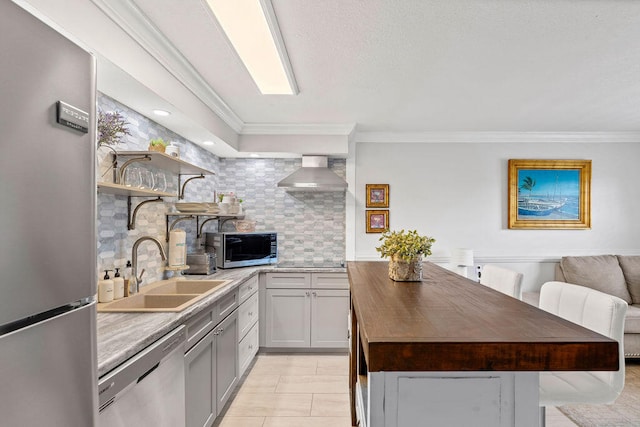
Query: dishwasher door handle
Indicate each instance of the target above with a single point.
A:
(153, 368)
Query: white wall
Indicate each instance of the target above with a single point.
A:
(457, 193)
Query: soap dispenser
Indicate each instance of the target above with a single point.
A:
(128, 280)
(118, 285)
(105, 288)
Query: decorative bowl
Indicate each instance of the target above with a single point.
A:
(244, 226)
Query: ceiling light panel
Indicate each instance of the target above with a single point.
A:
(252, 29)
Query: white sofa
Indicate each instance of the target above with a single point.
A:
(615, 275)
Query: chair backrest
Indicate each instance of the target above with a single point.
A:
(595, 310)
(506, 281)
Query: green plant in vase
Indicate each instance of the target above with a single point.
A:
(158, 144)
(405, 250)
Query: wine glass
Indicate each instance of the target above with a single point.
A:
(160, 181)
(132, 177)
(146, 179)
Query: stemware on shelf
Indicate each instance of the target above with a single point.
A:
(132, 177)
(146, 179)
(160, 181)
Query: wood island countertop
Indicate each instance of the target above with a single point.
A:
(449, 323)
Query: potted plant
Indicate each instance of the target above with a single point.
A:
(157, 144)
(405, 251)
(111, 127)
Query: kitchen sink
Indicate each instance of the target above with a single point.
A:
(164, 296)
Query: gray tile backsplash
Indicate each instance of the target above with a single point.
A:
(310, 226)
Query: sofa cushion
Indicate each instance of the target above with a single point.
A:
(600, 272)
(631, 269)
(632, 320)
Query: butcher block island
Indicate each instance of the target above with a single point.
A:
(447, 351)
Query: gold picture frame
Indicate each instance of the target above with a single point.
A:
(377, 221)
(549, 194)
(377, 195)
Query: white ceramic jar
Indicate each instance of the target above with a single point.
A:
(172, 150)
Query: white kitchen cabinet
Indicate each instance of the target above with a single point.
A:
(226, 359)
(248, 315)
(200, 376)
(247, 349)
(211, 361)
(329, 309)
(306, 310)
(288, 317)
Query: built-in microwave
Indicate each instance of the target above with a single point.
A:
(235, 249)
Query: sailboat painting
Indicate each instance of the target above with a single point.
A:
(549, 193)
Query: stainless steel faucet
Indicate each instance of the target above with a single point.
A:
(134, 260)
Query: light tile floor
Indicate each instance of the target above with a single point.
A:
(303, 390)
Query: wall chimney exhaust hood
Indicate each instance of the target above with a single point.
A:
(314, 175)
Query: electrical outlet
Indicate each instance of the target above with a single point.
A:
(477, 273)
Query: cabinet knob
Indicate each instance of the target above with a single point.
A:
(314, 294)
(307, 293)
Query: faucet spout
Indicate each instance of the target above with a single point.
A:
(134, 259)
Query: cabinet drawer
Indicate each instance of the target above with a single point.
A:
(247, 349)
(226, 305)
(199, 326)
(329, 281)
(247, 289)
(288, 280)
(247, 315)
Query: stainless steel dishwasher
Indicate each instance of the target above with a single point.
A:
(148, 389)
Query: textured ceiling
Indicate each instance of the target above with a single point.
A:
(387, 67)
(418, 65)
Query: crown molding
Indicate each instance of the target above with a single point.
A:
(139, 27)
(498, 137)
(298, 129)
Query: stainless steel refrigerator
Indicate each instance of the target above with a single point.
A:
(48, 373)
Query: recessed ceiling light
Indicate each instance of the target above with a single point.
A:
(252, 29)
(161, 113)
(208, 143)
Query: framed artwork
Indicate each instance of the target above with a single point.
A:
(377, 221)
(549, 194)
(377, 195)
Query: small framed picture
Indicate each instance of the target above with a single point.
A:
(377, 221)
(377, 195)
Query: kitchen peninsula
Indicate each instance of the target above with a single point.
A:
(448, 351)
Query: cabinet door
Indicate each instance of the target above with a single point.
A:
(226, 358)
(247, 315)
(247, 349)
(329, 309)
(288, 318)
(200, 373)
(247, 289)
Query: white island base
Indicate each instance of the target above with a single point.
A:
(448, 399)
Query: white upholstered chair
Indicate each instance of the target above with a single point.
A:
(506, 281)
(595, 310)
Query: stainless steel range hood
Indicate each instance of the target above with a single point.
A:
(314, 175)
